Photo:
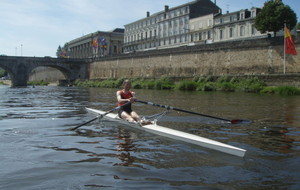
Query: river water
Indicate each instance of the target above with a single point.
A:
(38, 151)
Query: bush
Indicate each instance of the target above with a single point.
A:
(149, 84)
(186, 85)
(209, 86)
(226, 86)
(250, 85)
(287, 90)
(164, 83)
(269, 90)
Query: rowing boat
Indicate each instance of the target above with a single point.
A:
(175, 134)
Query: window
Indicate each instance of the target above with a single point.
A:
(208, 34)
(231, 33)
(242, 31)
(221, 34)
(253, 30)
(209, 23)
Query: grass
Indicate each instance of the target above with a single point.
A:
(226, 84)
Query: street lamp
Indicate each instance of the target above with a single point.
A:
(21, 49)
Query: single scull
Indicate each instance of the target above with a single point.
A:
(177, 135)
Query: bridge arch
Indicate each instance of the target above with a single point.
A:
(20, 68)
(49, 73)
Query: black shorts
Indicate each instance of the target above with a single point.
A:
(127, 109)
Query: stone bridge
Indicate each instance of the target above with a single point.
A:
(19, 68)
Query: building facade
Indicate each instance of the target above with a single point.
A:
(201, 29)
(165, 29)
(97, 44)
(236, 25)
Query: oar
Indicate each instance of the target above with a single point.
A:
(235, 121)
(101, 115)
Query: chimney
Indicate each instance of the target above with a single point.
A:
(148, 13)
(166, 8)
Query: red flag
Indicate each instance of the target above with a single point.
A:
(289, 44)
(95, 43)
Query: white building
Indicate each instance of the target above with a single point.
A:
(236, 25)
(165, 29)
(201, 29)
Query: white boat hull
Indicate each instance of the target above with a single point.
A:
(178, 135)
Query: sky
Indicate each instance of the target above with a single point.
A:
(38, 27)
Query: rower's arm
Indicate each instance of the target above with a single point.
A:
(120, 99)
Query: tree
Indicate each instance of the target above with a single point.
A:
(298, 26)
(273, 15)
(58, 52)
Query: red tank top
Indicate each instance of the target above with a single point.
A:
(125, 96)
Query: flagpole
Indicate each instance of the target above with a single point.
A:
(284, 46)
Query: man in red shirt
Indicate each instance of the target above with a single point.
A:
(123, 96)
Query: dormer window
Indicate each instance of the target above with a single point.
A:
(242, 16)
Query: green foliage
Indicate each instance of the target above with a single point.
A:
(298, 26)
(281, 90)
(269, 90)
(207, 86)
(164, 83)
(137, 84)
(186, 85)
(223, 79)
(149, 84)
(250, 85)
(273, 15)
(288, 90)
(227, 84)
(3, 73)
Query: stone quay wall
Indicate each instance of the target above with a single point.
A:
(262, 58)
(259, 57)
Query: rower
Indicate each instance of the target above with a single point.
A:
(126, 112)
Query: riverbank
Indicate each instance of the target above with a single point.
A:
(227, 84)
(5, 82)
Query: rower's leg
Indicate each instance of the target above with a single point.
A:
(127, 117)
(135, 116)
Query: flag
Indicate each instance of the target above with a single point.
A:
(63, 54)
(102, 42)
(289, 44)
(95, 43)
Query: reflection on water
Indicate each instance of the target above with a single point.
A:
(38, 151)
